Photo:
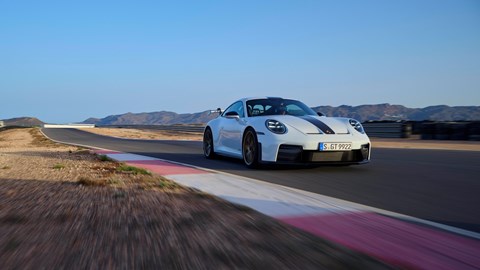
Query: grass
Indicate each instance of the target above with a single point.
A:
(58, 166)
(166, 185)
(115, 181)
(145, 182)
(85, 181)
(158, 182)
(104, 158)
(134, 170)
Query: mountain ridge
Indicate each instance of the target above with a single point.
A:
(368, 112)
(371, 112)
(23, 121)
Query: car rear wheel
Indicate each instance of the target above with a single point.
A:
(208, 144)
(250, 149)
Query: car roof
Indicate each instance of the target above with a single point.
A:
(260, 97)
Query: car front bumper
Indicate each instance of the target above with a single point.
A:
(296, 154)
(287, 150)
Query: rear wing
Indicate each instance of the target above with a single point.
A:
(218, 110)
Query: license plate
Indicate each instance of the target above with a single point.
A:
(335, 146)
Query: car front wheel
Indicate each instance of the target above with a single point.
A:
(250, 149)
(208, 144)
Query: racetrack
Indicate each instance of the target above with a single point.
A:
(436, 185)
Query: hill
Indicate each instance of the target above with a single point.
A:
(398, 112)
(153, 118)
(23, 121)
(362, 113)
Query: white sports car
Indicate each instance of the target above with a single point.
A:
(277, 130)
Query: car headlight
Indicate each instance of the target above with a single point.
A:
(276, 126)
(356, 125)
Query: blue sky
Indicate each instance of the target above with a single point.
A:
(65, 61)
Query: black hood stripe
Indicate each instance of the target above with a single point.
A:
(319, 124)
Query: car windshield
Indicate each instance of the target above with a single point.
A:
(277, 106)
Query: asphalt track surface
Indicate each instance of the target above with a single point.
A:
(442, 186)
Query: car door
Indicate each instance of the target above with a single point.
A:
(230, 133)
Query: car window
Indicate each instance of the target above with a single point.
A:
(294, 109)
(235, 107)
(257, 109)
(277, 106)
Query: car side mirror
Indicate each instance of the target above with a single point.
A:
(320, 114)
(232, 115)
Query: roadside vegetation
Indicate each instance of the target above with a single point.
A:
(104, 158)
(134, 170)
(58, 166)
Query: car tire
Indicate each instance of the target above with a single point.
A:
(250, 148)
(208, 148)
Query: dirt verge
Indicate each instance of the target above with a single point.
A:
(62, 207)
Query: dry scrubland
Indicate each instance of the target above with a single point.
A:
(62, 207)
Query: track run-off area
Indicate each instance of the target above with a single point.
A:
(410, 208)
(441, 186)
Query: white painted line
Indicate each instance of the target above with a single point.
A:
(270, 200)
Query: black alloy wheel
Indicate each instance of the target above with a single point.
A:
(208, 144)
(250, 149)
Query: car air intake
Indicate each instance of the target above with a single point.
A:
(289, 153)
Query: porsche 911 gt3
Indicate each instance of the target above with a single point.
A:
(276, 130)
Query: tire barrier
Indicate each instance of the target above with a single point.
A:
(427, 131)
(451, 131)
(388, 129)
(474, 131)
